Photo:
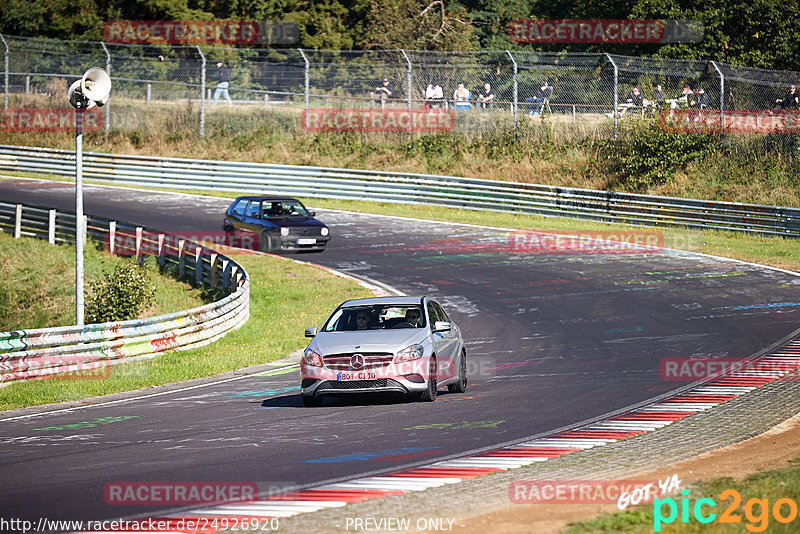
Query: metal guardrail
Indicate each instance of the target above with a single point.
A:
(408, 188)
(38, 353)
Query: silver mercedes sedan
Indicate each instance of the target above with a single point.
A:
(384, 344)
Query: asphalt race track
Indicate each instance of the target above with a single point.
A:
(552, 339)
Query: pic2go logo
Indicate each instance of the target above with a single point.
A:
(756, 511)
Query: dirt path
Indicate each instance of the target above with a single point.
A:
(770, 450)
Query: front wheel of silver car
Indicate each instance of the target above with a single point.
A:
(429, 395)
(310, 401)
(461, 385)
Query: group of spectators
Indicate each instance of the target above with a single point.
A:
(691, 96)
(462, 97)
(434, 96)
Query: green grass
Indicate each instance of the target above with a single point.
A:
(37, 283)
(772, 485)
(285, 298)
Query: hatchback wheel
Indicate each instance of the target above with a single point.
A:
(429, 395)
(265, 242)
(461, 385)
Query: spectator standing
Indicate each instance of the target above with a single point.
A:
(223, 83)
(434, 96)
(382, 93)
(486, 96)
(541, 97)
(789, 100)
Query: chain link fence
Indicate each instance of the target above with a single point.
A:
(174, 87)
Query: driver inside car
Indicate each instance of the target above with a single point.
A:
(412, 317)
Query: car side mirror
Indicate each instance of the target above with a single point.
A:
(441, 326)
(311, 332)
(312, 213)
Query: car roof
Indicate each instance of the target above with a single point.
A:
(382, 300)
(262, 197)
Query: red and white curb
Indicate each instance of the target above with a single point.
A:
(782, 361)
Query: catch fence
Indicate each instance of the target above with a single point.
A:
(153, 79)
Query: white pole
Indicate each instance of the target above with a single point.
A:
(79, 228)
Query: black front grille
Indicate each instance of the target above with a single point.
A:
(345, 385)
(300, 231)
(372, 360)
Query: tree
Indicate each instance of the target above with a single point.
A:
(417, 24)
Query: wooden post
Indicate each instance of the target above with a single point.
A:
(139, 244)
(51, 227)
(226, 275)
(162, 260)
(112, 237)
(181, 258)
(198, 265)
(18, 222)
(214, 257)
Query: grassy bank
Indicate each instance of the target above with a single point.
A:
(758, 168)
(285, 299)
(37, 283)
(764, 488)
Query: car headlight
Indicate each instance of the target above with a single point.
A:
(414, 352)
(312, 358)
(284, 231)
(324, 231)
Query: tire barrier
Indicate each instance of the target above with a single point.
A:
(39, 353)
(408, 188)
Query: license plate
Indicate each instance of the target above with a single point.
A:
(361, 375)
(306, 241)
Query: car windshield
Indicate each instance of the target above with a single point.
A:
(376, 317)
(283, 208)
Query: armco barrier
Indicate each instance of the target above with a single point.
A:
(408, 188)
(29, 354)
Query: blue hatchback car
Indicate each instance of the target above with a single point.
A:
(278, 224)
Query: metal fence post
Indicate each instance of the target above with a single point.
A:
(514, 106)
(408, 62)
(107, 119)
(202, 94)
(721, 96)
(5, 77)
(616, 95)
(307, 68)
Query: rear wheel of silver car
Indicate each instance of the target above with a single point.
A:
(310, 401)
(461, 385)
(429, 395)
